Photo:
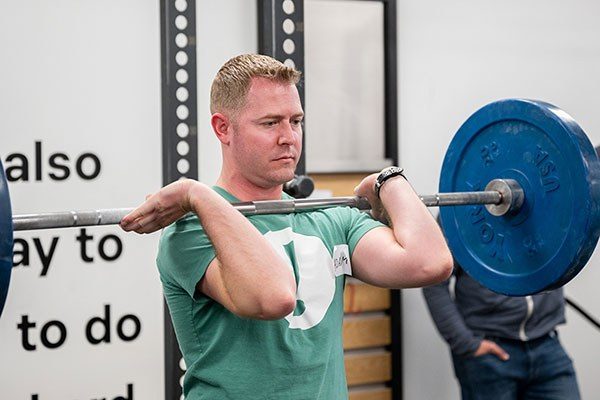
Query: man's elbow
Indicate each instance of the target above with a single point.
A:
(418, 269)
(439, 268)
(275, 306)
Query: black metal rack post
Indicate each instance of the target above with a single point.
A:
(179, 134)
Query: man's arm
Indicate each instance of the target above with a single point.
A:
(448, 321)
(247, 277)
(451, 325)
(413, 252)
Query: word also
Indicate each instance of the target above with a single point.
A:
(56, 166)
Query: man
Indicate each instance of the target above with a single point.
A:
(503, 347)
(257, 302)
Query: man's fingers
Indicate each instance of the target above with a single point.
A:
(499, 352)
(128, 221)
(152, 222)
(144, 225)
(490, 347)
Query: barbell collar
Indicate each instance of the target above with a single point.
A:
(512, 197)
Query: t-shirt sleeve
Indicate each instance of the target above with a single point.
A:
(185, 251)
(357, 224)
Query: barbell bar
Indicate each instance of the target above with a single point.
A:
(527, 178)
(68, 219)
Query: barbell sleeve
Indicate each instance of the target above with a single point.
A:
(505, 196)
(461, 198)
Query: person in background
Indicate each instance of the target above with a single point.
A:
(503, 348)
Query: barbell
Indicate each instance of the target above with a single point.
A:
(526, 174)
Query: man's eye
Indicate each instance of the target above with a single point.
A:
(297, 122)
(270, 123)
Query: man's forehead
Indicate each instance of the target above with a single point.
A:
(271, 96)
(270, 86)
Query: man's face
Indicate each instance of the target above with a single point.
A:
(267, 133)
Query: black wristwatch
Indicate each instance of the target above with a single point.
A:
(386, 174)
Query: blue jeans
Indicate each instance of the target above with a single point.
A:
(538, 369)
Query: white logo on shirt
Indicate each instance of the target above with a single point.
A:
(316, 284)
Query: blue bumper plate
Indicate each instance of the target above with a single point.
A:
(550, 239)
(6, 238)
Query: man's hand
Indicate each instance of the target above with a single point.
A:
(366, 188)
(489, 347)
(162, 208)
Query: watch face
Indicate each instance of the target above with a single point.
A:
(390, 171)
(384, 175)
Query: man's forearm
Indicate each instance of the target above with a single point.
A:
(253, 274)
(414, 228)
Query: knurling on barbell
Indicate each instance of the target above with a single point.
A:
(526, 172)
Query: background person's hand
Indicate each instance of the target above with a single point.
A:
(489, 347)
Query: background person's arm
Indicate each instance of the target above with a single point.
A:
(448, 320)
(451, 325)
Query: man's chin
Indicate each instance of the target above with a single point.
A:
(283, 176)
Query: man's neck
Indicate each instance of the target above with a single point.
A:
(245, 190)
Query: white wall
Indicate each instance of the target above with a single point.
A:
(82, 77)
(224, 29)
(344, 93)
(455, 57)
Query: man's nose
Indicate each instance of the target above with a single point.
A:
(287, 136)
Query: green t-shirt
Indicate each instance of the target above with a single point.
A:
(297, 357)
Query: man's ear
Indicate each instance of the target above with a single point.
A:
(221, 126)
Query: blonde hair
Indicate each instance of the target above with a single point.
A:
(232, 82)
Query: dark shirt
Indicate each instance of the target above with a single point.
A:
(476, 312)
